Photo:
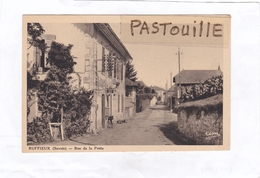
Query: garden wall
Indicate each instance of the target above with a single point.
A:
(202, 120)
(143, 101)
(130, 108)
(142, 104)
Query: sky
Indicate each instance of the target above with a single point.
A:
(154, 62)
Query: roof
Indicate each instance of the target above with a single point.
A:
(171, 89)
(156, 88)
(108, 32)
(141, 83)
(130, 83)
(195, 76)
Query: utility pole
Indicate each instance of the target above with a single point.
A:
(171, 80)
(179, 62)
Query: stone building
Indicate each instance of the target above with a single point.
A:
(101, 59)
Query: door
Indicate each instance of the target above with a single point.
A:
(103, 111)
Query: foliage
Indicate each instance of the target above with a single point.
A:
(141, 100)
(38, 130)
(77, 127)
(53, 96)
(76, 115)
(210, 87)
(145, 90)
(130, 72)
(54, 92)
(79, 105)
(34, 32)
(213, 103)
(149, 90)
(31, 88)
(60, 56)
(56, 97)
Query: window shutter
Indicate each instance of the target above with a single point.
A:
(122, 71)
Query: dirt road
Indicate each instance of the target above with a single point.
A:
(146, 128)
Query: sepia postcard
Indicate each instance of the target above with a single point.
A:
(113, 83)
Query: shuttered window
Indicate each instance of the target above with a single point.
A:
(103, 61)
(118, 103)
(122, 103)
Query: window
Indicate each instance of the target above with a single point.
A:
(103, 61)
(118, 69)
(122, 103)
(48, 42)
(41, 56)
(118, 103)
(122, 72)
(87, 64)
(107, 100)
(86, 78)
(110, 64)
(115, 67)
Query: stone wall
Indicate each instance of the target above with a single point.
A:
(142, 104)
(130, 108)
(203, 124)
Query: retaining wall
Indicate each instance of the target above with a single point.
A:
(203, 124)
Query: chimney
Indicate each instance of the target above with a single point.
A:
(219, 68)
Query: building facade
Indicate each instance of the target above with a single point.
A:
(101, 59)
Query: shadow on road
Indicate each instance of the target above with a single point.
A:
(170, 130)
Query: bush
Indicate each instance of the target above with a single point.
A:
(75, 118)
(76, 128)
(38, 130)
(210, 87)
(76, 115)
(140, 101)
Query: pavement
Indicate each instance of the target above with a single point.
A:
(149, 127)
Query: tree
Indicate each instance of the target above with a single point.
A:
(54, 92)
(55, 96)
(59, 56)
(34, 32)
(130, 72)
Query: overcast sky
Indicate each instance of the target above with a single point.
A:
(154, 62)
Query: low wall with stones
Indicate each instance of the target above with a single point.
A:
(203, 124)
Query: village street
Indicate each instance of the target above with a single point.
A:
(149, 127)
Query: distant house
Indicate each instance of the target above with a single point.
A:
(160, 92)
(170, 91)
(190, 77)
